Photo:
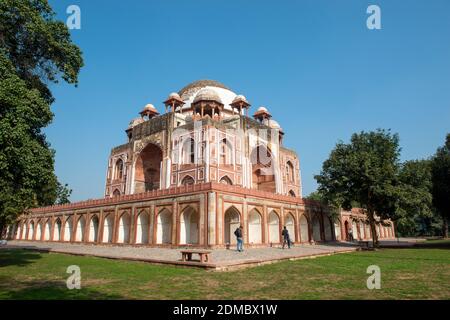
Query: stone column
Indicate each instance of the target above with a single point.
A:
(280, 227)
(168, 172)
(220, 222)
(202, 211)
(211, 212)
(87, 226)
(245, 222)
(132, 231)
(101, 226)
(115, 225)
(265, 239)
(175, 221)
(152, 224)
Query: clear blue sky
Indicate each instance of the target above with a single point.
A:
(314, 64)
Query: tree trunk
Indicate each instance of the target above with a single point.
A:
(371, 218)
(2, 230)
(445, 227)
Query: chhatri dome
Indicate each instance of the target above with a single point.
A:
(174, 95)
(239, 97)
(262, 109)
(207, 94)
(150, 107)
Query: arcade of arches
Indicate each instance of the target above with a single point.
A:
(185, 222)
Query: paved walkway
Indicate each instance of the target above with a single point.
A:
(220, 258)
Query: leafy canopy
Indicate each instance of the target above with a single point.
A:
(38, 46)
(440, 173)
(363, 171)
(35, 50)
(367, 172)
(414, 213)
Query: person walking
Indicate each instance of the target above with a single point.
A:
(286, 238)
(350, 235)
(240, 241)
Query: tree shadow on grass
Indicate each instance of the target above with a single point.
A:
(420, 245)
(334, 244)
(397, 257)
(17, 257)
(433, 245)
(51, 290)
(439, 244)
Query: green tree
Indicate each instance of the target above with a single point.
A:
(38, 46)
(414, 212)
(63, 193)
(35, 50)
(367, 173)
(440, 175)
(364, 171)
(315, 196)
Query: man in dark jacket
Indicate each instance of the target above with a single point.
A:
(240, 241)
(286, 239)
(350, 235)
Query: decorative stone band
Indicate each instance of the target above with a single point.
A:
(176, 191)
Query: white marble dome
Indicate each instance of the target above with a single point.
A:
(207, 94)
(189, 92)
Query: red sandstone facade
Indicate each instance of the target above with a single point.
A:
(216, 205)
(189, 177)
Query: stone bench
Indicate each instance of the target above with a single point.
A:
(364, 244)
(186, 255)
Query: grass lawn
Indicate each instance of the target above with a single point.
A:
(416, 273)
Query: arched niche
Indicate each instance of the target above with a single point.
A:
(232, 220)
(274, 227)
(164, 227)
(189, 226)
(304, 229)
(147, 169)
(142, 227)
(254, 227)
(263, 169)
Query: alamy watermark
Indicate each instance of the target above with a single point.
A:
(374, 20)
(374, 280)
(74, 280)
(74, 19)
